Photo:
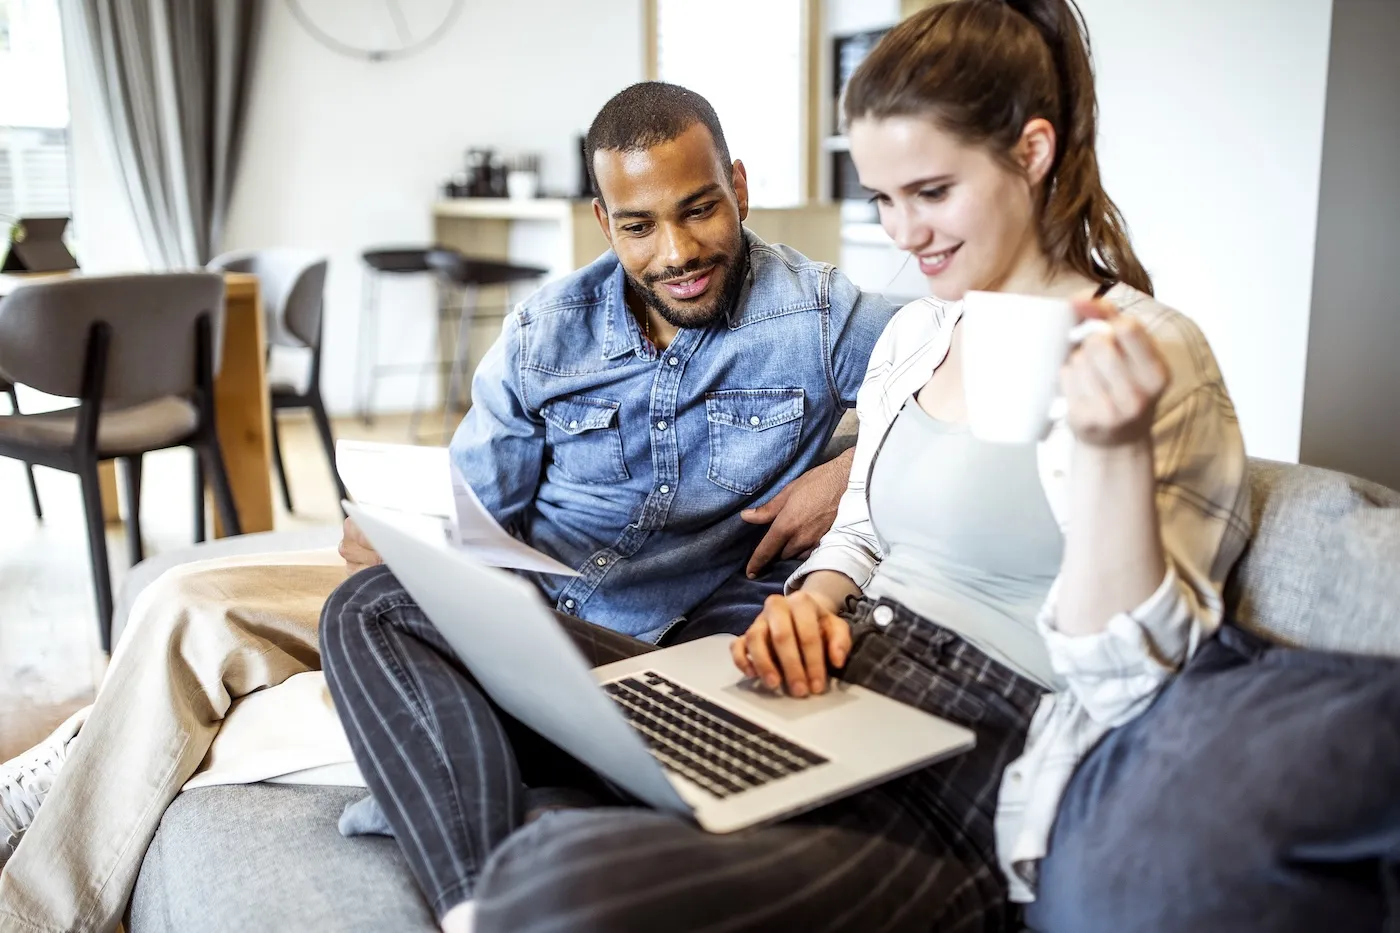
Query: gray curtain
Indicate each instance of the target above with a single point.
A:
(172, 78)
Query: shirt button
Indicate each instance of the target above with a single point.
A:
(569, 605)
(665, 489)
(660, 425)
(882, 616)
(573, 424)
(601, 562)
(755, 420)
(672, 361)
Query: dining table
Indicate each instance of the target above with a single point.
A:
(242, 406)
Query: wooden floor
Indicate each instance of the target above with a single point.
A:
(50, 662)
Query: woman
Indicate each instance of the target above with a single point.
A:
(1040, 594)
(978, 577)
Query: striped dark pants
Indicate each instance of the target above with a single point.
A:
(452, 773)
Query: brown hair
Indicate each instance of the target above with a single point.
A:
(983, 69)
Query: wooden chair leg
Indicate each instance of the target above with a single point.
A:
(323, 427)
(223, 492)
(200, 533)
(281, 468)
(132, 470)
(97, 550)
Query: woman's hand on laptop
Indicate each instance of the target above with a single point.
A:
(357, 550)
(792, 641)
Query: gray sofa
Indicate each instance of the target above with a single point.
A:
(1319, 572)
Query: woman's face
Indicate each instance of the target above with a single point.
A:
(965, 216)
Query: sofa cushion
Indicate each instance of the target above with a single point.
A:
(1319, 568)
(258, 857)
(1257, 793)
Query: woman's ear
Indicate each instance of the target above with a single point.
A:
(1035, 152)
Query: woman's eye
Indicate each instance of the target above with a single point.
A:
(881, 199)
(934, 194)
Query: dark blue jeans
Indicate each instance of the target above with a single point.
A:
(731, 609)
(1260, 792)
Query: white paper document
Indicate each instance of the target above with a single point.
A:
(422, 485)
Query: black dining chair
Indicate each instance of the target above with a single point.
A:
(293, 284)
(138, 353)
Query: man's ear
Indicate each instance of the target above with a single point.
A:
(741, 189)
(600, 211)
(1035, 151)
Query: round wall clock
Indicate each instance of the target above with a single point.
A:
(376, 30)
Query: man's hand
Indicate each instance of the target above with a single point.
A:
(357, 550)
(792, 641)
(800, 513)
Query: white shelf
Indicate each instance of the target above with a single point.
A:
(866, 235)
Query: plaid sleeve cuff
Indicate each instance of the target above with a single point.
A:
(1116, 673)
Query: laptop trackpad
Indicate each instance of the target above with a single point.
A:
(751, 692)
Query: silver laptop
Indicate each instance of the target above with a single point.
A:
(680, 728)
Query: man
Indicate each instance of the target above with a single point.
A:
(640, 406)
(624, 421)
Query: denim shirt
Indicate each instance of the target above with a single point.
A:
(631, 466)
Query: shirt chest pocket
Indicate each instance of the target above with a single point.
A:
(753, 436)
(586, 441)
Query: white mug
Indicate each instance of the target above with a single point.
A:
(1012, 350)
(522, 185)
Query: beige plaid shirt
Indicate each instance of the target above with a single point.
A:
(1110, 677)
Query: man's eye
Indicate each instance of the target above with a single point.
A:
(636, 229)
(702, 211)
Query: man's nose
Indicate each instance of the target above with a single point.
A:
(676, 246)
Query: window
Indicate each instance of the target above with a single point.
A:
(760, 99)
(34, 142)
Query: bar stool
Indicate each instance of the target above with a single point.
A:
(389, 260)
(464, 277)
(457, 277)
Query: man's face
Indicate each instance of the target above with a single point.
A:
(675, 221)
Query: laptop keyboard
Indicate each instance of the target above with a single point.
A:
(702, 741)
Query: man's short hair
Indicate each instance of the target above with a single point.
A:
(646, 115)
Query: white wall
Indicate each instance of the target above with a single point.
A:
(342, 155)
(1211, 142)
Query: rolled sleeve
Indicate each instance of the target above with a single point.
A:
(1115, 673)
(851, 559)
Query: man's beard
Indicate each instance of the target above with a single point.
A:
(733, 268)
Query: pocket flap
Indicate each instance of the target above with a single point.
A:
(754, 409)
(578, 413)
